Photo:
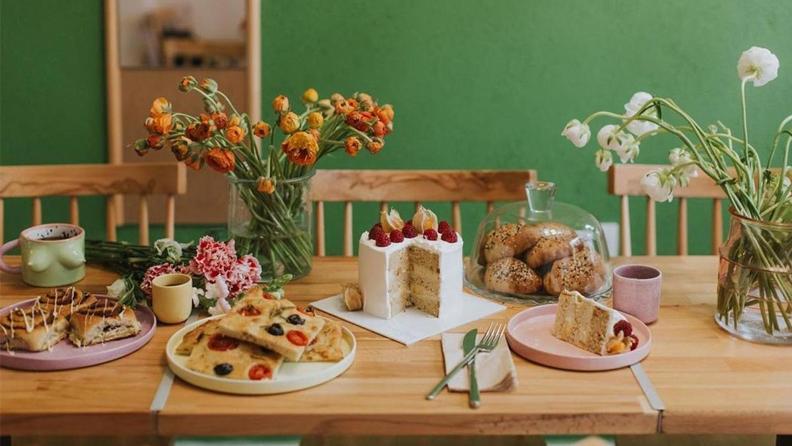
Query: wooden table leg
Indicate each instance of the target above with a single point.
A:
(783, 440)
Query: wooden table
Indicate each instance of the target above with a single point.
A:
(709, 381)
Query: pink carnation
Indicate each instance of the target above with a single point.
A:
(213, 259)
(245, 273)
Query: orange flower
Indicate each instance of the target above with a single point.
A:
(280, 104)
(154, 142)
(235, 134)
(181, 150)
(198, 132)
(353, 103)
(315, 120)
(315, 133)
(310, 96)
(335, 98)
(379, 129)
(266, 185)
(359, 120)
(193, 162)
(375, 145)
(159, 106)
(234, 121)
(160, 124)
(220, 120)
(386, 112)
(352, 145)
(187, 83)
(209, 85)
(221, 160)
(289, 122)
(301, 148)
(366, 101)
(344, 107)
(262, 129)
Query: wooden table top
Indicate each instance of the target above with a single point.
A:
(709, 381)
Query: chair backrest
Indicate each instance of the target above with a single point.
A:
(382, 186)
(110, 180)
(624, 180)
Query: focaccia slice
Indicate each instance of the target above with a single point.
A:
(284, 330)
(328, 345)
(218, 355)
(35, 328)
(105, 319)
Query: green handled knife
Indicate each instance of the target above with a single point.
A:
(468, 344)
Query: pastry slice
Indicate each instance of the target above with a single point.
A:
(592, 326)
(218, 355)
(191, 339)
(66, 301)
(35, 328)
(103, 320)
(328, 345)
(286, 330)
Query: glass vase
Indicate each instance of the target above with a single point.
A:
(755, 281)
(276, 227)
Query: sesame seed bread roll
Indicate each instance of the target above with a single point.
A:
(509, 240)
(510, 275)
(583, 272)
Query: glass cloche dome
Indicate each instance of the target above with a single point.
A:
(532, 250)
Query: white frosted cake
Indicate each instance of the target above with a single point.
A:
(592, 326)
(417, 263)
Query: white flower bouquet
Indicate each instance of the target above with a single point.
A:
(756, 261)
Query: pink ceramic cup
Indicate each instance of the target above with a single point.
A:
(636, 290)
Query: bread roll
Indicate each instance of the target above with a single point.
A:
(510, 275)
(583, 272)
(509, 240)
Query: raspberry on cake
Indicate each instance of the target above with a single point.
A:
(592, 326)
(408, 270)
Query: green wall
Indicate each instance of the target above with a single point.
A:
(475, 84)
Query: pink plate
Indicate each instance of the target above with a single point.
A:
(529, 335)
(66, 355)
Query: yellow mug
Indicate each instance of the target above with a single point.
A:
(171, 297)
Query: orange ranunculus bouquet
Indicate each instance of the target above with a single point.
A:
(269, 209)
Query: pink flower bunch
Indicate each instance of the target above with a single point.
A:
(245, 273)
(213, 259)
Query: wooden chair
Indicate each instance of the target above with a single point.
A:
(382, 186)
(75, 180)
(624, 180)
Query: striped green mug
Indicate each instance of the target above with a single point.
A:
(52, 255)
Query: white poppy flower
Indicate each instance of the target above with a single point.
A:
(678, 157)
(608, 139)
(117, 288)
(759, 65)
(637, 101)
(577, 132)
(170, 248)
(629, 151)
(196, 296)
(659, 185)
(604, 159)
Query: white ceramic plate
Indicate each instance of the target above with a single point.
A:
(291, 376)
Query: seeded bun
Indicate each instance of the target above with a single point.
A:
(509, 240)
(554, 245)
(510, 275)
(583, 272)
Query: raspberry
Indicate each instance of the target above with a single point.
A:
(396, 236)
(376, 226)
(430, 234)
(382, 240)
(443, 227)
(375, 231)
(449, 237)
(623, 326)
(634, 343)
(409, 231)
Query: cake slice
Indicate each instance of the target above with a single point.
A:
(35, 328)
(592, 326)
(214, 354)
(286, 330)
(105, 319)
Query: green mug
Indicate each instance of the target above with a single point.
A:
(52, 255)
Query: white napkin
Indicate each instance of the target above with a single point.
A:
(495, 370)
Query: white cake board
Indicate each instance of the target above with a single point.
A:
(413, 325)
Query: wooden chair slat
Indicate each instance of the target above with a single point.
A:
(320, 229)
(36, 211)
(717, 225)
(348, 228)
(170, 216)
(490, 206)
(682, 227)
(625, 179)
(111, 214)
(2, 219)
(624, 227)
(456, 216)
(143, 221)
(74, 210)
(651, 228)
